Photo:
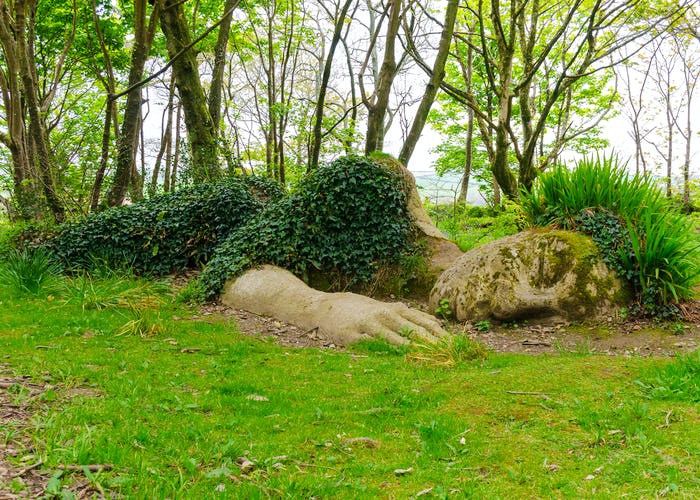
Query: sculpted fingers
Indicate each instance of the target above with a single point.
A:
(427, 322)
(390, 336)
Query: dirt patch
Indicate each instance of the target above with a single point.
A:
(609, 339)
(261, 326)
(19, 474)
(22, 472)
(623, 337)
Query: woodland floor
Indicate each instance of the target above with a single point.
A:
(624, 338)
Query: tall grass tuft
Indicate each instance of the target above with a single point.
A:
(662, 265)
(30, 272)
(666, 257)
(597, 182)
(448, 352)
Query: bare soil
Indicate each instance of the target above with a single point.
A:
(615, 337)
(22, 474)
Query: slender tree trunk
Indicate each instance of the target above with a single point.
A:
(433, 86)
(686, 161)
(377, 110)
(506, 52)
(37, 130)
(468, 157)
(217, 77)
(111, 114)
(126, 154)
(104, 157)
(201, 132)
(320, 101)
(26, 184)
(164, 144)
(178, 145)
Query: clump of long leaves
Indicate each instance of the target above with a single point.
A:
(30, 272)
(666, 256)
(639, 232)
(598, 182)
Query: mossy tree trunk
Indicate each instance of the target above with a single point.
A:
(201, 131)
(127, 141)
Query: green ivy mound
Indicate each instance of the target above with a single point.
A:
(640, 234)
(346, 219)
(169, 232)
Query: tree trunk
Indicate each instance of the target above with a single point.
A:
(468, 157)
(178, 145)
(320, 101)
(26, 190)
(164, 144)
(217, 76)
(126, 143)
(431, 89)
(37, 129)
(104, 156)
(201, 132)
(377, 109)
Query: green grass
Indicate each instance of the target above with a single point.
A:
(175, 408)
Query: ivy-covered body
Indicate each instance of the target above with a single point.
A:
(346, 219)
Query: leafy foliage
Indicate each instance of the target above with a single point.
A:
(470, 226)
(640, 234)
(596, 182)
(348, 217)
(165, 233)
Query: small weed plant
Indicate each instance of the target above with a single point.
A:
(443, 309)
(447, 352)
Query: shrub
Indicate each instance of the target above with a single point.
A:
(21, 236)
(559, 195)
(168, 232)
(346, 218)
(639, 233)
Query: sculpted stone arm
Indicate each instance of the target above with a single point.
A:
(341, 317)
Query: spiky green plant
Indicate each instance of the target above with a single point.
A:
(30, 272)
(596, 182)
(666, 257)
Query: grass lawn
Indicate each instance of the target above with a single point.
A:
(185, 407)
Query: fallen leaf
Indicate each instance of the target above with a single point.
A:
(245, 464)
(403, 472)
(256, 397)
